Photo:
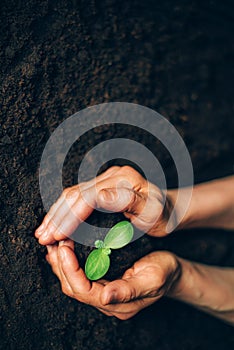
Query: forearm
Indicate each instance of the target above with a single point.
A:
(212, 205)
(208, 288)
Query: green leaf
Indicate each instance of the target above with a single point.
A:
(119, 235)
(97, 264)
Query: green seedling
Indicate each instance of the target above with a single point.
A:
(98, 261)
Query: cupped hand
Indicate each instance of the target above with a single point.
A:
(119, 189)
(145, 282)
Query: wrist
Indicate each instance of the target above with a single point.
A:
(211, 205)
(185, 282)
(175, 275)
(187, 219)
(208, 288)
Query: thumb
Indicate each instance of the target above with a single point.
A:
(120, 200)
(124, 290)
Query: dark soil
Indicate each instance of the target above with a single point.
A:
(58, 57)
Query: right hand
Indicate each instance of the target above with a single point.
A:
(149, 279)
(118, 189)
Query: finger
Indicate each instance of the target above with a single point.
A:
(120, 200)
(125, 311)
(146, 214)
(68, 243)
(54, 218)
(66, 288)
(60, 209)
(48, 217)
(73, 272)
(147, 279)
(54, 261)
(52, 258)
(103, 176)
(82, 288)
(73, 210)
(55, 207)
(109, 172)
(129, 289)
(118, 291)
(77, 203)
(143, 224)
(74, 206)
(88, 293)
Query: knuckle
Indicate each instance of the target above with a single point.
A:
(127, 169)
(129, 172)
(71, 193)
(113, 167)
(129, 273)
(58, 234)
(66, 192)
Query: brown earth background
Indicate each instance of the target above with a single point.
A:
(58, 57)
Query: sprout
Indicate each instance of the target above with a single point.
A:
(98, 261)
(119, 235)
(97, 264)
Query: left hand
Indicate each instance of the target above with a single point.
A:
(145, 282)
(118, 189)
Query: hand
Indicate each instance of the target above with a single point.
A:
(145, 282)
(119, 189)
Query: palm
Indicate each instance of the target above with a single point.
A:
(141, 285)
